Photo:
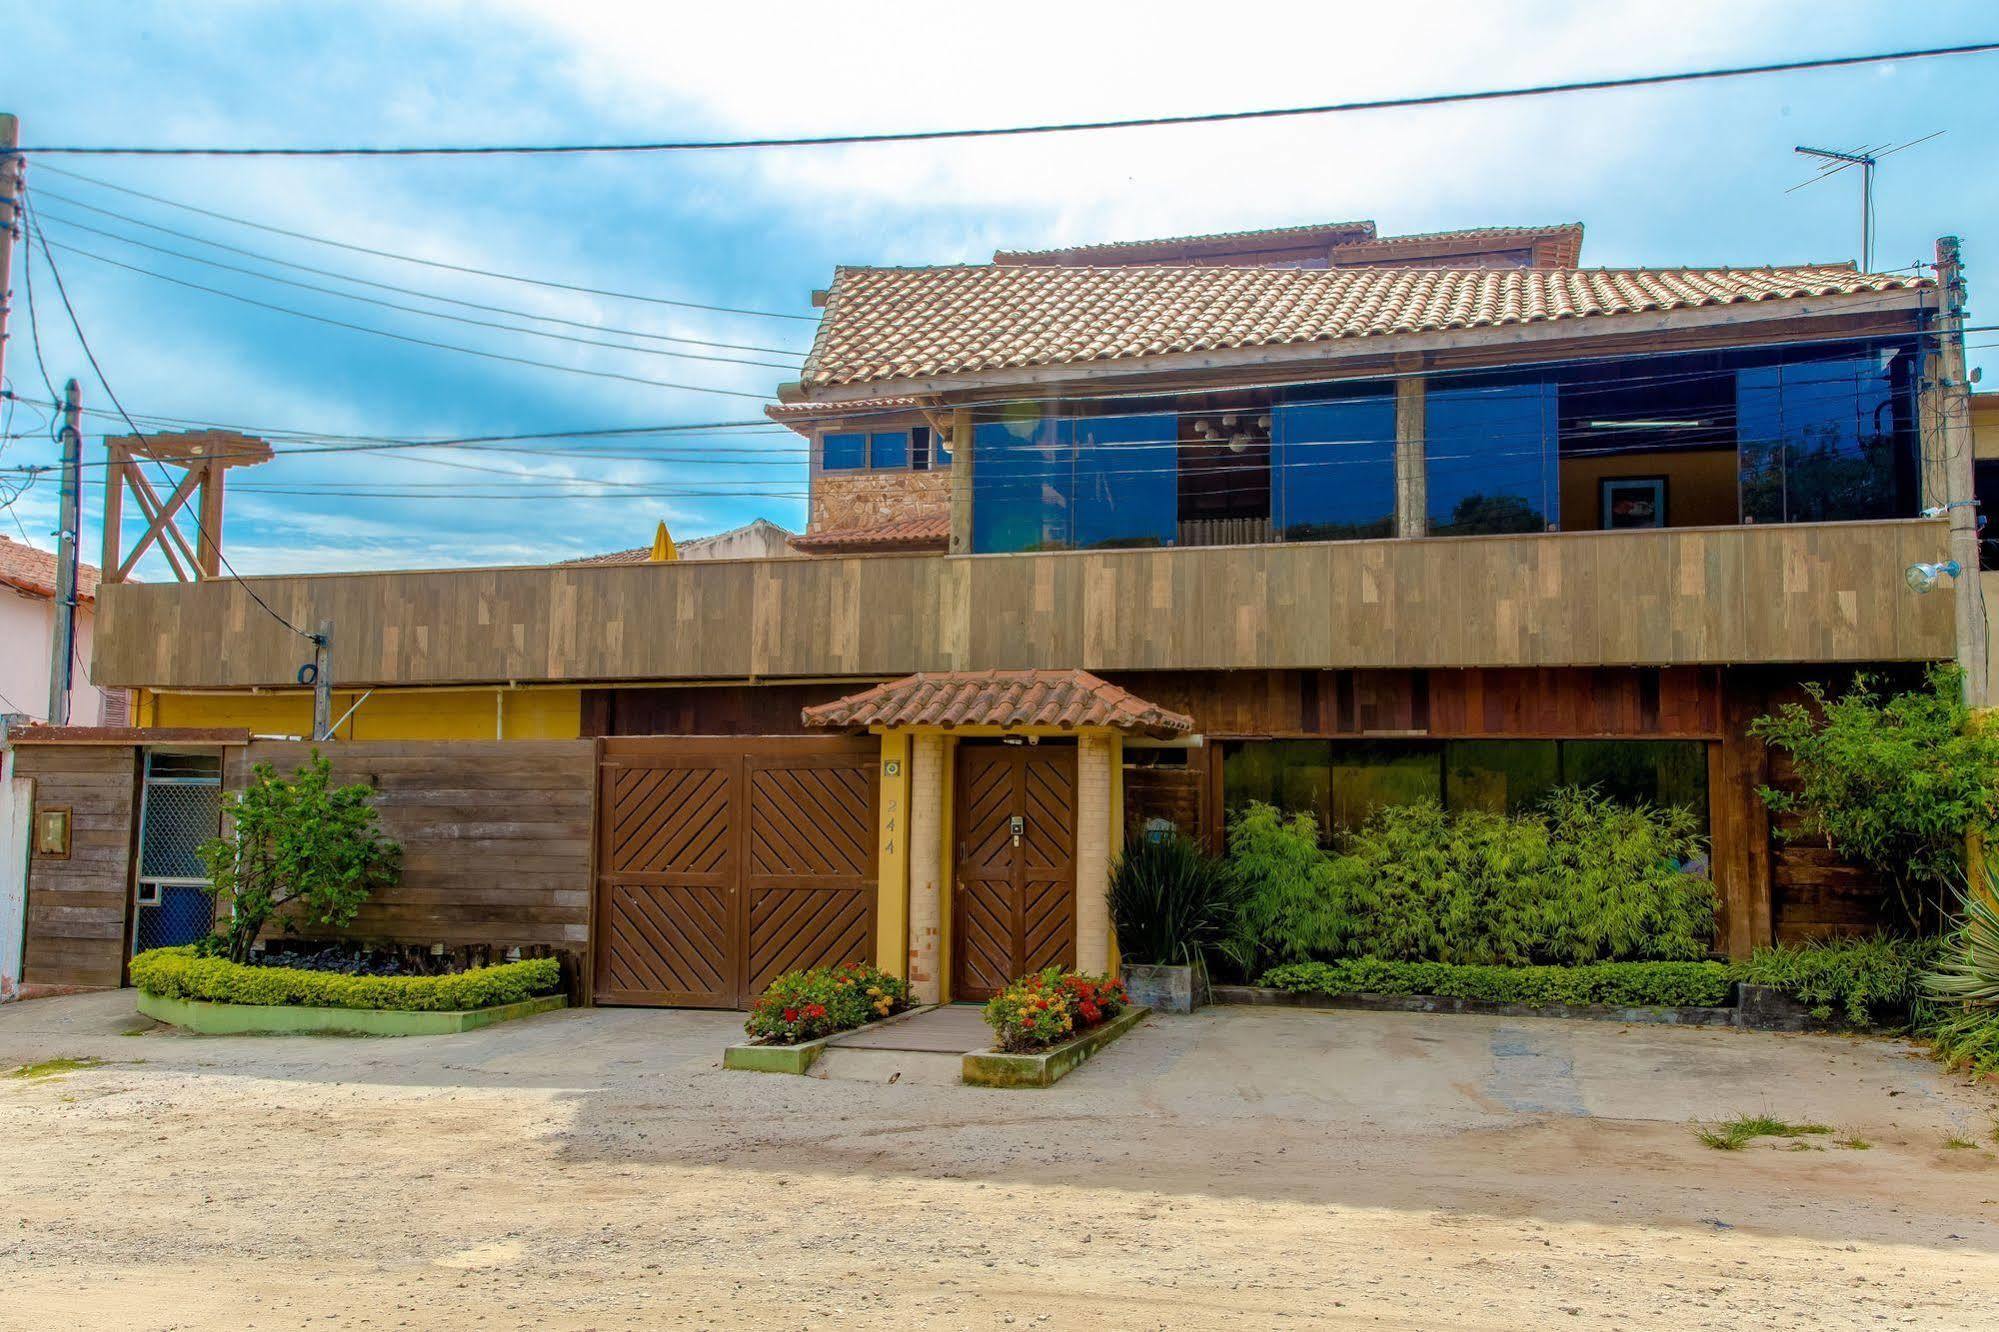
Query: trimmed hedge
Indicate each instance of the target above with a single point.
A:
(1619, 984)
(177, 973)
(1856, 981)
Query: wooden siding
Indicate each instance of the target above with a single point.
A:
(1794, 593)
(77, 907)
(495, 834)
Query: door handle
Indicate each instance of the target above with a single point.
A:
(1016, 825)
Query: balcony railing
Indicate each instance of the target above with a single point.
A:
(1792, 593)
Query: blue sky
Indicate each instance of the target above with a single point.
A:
(1685, 175)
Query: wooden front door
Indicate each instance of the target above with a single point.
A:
(722, 863)
(1013, 905)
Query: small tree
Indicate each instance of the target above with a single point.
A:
(300, 841)
(1891, 781)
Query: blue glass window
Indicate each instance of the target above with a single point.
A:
(1020, 485)
(1332, 469)
(1818, 442)
(843, 452)
(1490, 452)
(1126, 488)
(888, 448)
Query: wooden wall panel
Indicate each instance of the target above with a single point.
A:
(1688, 596)
(496, 840)
(77, 908)
(707, 709)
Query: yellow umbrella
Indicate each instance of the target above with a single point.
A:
(662, 546)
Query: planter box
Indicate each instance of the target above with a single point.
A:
(1431, 1003)
(799, 1058)
(1166, 989)
(996, 1068)
(210, 1019)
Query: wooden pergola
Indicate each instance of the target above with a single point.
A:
(203, 456)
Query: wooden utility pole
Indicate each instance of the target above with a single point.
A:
(10, 218)
(1953, 405)
(322, 681)
(62, 641)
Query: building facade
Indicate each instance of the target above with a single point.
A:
(1128, 534)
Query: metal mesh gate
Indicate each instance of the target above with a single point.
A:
(180, 807)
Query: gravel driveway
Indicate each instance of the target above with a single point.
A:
(1238, 1169)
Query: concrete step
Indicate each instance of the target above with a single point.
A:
(848, 1063)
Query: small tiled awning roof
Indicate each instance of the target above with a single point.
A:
(1066, 699)
(931, 532)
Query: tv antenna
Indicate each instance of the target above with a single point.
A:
(1832, 161)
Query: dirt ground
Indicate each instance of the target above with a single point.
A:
(1239, 1169)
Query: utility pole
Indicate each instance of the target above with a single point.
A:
(1953, 400)
(322, 681)
(62, 641)
(10, 215)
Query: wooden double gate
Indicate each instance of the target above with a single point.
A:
(725, 862)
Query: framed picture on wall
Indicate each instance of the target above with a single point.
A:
(1634, 501)
(52, 832)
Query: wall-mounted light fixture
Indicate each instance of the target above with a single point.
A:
(1923, 577)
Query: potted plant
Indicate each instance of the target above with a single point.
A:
(1169, 904)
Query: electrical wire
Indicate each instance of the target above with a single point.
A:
(1068, 127)
(427, 263)
(214, 542)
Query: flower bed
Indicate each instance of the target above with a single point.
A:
(804, 1006)
(1042, 1010)
(179, 974)
(1619, 984)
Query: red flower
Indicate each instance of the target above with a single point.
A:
(815, 1010)
(1089, 1011)
(791, 1015)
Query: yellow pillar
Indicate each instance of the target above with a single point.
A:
(1094, 783)
(892, 858)
(928, 867)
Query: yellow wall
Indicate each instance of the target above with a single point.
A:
(409, 714)
(1700, 487)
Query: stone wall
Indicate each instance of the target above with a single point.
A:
(869, 499)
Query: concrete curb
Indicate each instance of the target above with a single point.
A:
(1432, 1003)
(800, 1058)
(997, 1068)
(212, 1019)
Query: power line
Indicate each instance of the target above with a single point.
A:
(214, 542)
(396, 305)
(379, 286)
(427, 263)
(1068, 127)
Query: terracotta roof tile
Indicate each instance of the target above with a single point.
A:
(929, 532)
(1315, 233)
(1065, 699)
(32, 570)
(899, 323)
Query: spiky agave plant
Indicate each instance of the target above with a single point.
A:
(1969, 971)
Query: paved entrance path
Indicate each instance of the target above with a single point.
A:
(951, 1029)
(1239, 1168)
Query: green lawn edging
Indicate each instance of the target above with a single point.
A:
(799, 1058)
(1669, 1015)
(1044, 1068)
(214, 1019)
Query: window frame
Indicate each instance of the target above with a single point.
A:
(911, 449)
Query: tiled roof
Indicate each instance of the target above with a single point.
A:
(896, 323)
(1564, 241)
(32, 570)
(806, 411)
(931, 532)
(1066, 699)
(1317, 233)
(687, 548)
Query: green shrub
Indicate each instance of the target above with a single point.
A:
(1581, 879)
(1855, 981)
(1049, 1007)
(1893, 782)
(1169, 903)
(1967, 967)
(178, 973)
(300, 843)
(1966, 1041)
(805, 1005)
(1619, 984)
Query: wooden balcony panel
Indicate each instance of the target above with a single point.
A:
(1799, 593)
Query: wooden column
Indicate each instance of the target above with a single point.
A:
(1739, 826)
(962, 463)
(1412, 489)
(208, 537)
(115, 463)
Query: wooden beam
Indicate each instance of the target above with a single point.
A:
(160, 526)
(116, 462)
(1412, 479)
(208, 533)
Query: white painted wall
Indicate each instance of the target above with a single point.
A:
(27, 624)
(15, 793)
